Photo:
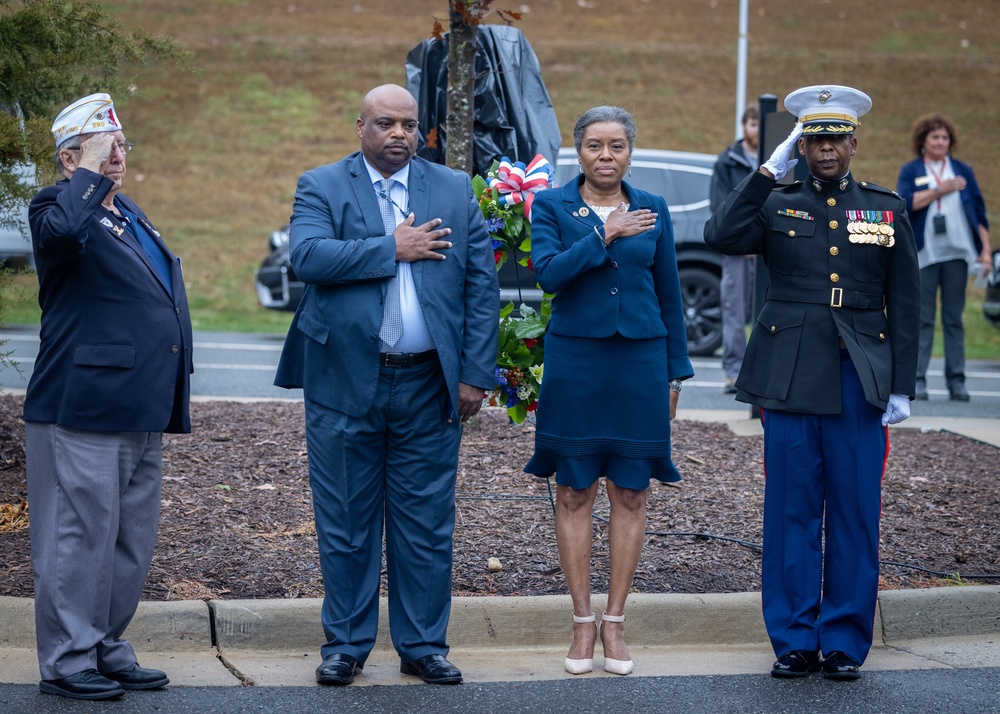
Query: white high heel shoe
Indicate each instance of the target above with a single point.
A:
(581, 666)
(615, 666)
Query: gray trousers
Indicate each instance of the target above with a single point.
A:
(952, 278)
(94, 504)
(736, 287)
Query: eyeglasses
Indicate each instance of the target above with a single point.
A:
(123, 146)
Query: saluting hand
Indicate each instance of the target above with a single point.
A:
(421, 242)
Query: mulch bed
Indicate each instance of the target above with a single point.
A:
(237, 515)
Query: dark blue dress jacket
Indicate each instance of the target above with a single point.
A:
(115, 351)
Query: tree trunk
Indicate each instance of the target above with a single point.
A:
(462, 42)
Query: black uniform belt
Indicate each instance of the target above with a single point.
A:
(834, 297)
(406, 359)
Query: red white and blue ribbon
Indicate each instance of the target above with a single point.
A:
(516, 183)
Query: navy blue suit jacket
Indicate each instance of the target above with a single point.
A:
(340, 250)
(631, 288)
(972, 199)
(115, 351)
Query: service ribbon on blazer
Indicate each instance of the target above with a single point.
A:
(871, 228)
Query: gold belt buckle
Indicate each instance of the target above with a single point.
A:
(836, 297)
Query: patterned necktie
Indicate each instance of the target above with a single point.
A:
(392, 318)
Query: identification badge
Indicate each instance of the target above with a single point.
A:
(939, 224)
(921, 180)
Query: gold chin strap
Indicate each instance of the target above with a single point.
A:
(828, 129)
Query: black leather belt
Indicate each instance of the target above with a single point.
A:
(406, 359)
(834, 297)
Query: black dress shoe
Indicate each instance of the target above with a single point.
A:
(88, 684)
(337, 669)
(136, 677)
(797, 663)
(841, 666)
(957, 393)
(921, 393)
(433, 669)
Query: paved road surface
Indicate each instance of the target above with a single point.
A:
(242, 365)
(954, 691)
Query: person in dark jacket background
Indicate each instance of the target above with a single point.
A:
(733, 165)
(831, 362)
(952, 233)
(112, 374)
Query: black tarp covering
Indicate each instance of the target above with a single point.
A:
(513, 113)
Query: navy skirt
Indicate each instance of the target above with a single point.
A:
(604, 410)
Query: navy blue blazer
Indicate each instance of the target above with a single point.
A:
(115, 351)
(972, 199)
(631, 288)
(339, 248)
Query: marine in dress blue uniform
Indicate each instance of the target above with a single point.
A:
(831, 362)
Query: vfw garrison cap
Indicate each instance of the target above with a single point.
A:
(828, 108)
(92, 114)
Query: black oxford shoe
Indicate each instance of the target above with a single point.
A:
(136, 677)
(88, 684)
(433, 669)
(337, 669)
(797, 663)
(958, 393)
(841, 666)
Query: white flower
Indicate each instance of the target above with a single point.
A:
(536, 371)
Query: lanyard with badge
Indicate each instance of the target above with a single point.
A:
(940, 226)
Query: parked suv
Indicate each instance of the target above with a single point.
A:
(682, 178)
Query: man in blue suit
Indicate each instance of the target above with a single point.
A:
(393, 343)
(112, 374)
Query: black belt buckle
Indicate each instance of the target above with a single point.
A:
(836, 297)
(404, 359)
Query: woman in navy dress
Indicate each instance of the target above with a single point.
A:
(615, 355)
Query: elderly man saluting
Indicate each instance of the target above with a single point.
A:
(393, 343)
(112, 374)
(831, 361)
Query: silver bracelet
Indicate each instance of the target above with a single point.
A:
(676, 385)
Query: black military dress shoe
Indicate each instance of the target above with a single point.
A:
(796, 663)
(88, 684)
(136, 677)
(841, 666)
(958, 393)
(433, 669)
(337, 669)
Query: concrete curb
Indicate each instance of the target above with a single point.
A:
(717, 619)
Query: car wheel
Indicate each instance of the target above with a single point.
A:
(702, 310)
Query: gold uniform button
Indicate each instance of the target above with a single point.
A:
(831, 201)
(834, 278)
(773, 328)
(834, 250)
(791, 234)
(834, 225)
(881, 335)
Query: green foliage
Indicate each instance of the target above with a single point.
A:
(52, 52)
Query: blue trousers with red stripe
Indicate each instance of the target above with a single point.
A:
(823, 478)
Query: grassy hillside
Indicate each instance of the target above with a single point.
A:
(218, 153)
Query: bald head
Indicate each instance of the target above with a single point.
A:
(387, 128)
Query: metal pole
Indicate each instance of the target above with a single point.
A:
(741, 68)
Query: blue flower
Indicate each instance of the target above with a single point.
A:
(496, 243)
(494, 224)
(501, 376)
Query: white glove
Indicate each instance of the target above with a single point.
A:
(898, 409)
(780, 164)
